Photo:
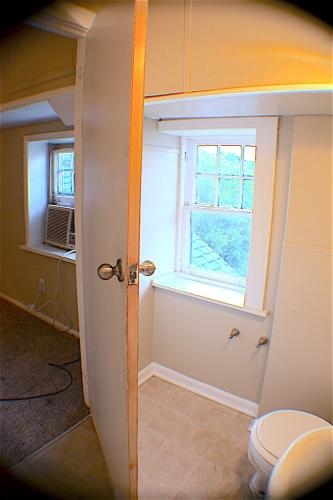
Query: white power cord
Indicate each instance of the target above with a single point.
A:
(58, 307)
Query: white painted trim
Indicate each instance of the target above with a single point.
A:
(32, 138)
(40, 315)
(50, 136)
(263, 197)
(177, 288)
(210, 126)
(160, 148)
(64, 18)
(146, 373)
(48, 251)
(78, 148)
(205, 390)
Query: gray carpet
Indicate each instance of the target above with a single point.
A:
(27, 346)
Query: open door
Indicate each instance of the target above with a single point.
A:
(111, 139)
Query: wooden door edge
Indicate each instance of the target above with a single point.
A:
(133, 239)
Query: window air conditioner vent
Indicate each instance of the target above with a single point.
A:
(60, 229)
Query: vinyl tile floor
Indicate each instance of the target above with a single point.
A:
(190, 447)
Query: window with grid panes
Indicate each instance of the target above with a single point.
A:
(217, 213)
(62, 175)
(220, 221)
(226, 195)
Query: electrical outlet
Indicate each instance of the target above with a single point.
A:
(41, 285)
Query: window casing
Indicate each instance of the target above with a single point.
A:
(37, 198)
(245, 290)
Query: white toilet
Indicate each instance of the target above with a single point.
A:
(271, 435)
(304, 468)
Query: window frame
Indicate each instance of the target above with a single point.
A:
(189, 205)
(266, 141)
(54, 197)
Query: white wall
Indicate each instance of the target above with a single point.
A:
(299, 369)
(191, 336)
(158, 217)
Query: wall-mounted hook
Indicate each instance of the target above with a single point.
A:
(262, 341)
(234, 332)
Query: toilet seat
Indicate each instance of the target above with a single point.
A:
(273, 433)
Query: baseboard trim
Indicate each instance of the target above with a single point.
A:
(205, 390)
(146, 373)
(42, 316)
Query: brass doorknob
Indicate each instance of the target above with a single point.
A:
(106, 271)
(147, 268)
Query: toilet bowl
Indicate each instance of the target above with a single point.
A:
(271, 435)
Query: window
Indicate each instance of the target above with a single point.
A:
(62, 175)
(225, 207)
(217, 213)
(49, 177)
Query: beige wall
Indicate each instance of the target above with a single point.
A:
(299, 368)
(21, 269)
(190, 335)
(34, 61)
(295, 369)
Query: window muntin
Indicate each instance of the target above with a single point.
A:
(62, 175)
(217, 211)
(224, 176)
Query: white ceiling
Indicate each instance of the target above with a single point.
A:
(32, 113)
(61, 106)
(274, 103)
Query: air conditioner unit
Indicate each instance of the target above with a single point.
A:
(60, 228)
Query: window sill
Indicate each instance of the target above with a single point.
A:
(50, 251)
(210, 293)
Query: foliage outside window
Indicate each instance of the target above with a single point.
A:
(217, 211)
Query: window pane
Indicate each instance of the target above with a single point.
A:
(65, 173)
(205, 192)
(220, 242)
(247, 193)
(230, 158)
(229, 193)
(207, 160)
(249, 160)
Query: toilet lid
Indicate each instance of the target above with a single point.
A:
(278, 429)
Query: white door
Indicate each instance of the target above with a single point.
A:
(111, 141)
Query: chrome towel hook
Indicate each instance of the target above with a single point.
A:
(261, 341)
(234, 332)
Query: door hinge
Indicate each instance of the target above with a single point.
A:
(133, 274)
